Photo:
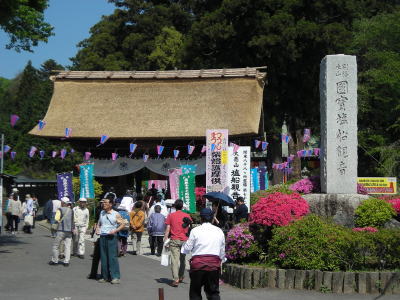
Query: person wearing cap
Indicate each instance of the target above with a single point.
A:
(81, 219)
(66, 226)
(207, 245)
(110, 223)
(177, 232)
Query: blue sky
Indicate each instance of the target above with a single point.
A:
(71, 19)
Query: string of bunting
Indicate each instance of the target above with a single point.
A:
(160, 148)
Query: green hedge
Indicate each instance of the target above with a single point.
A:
(374, 212)
(316, 243)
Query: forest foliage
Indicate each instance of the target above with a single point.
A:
(289, 37)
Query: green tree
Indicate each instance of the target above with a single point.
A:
(168, 49)
(28, 96)
(23, 20)
(126, 39)
(376, 43)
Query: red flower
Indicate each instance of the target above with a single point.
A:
(278, 209)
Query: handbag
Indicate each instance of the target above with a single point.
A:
(54, 227)
(165, 254)
(28, 220)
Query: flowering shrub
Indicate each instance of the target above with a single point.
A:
(282, 188)
(374, 212)
(317, 243)
(278, 209)
(361, 189)
(200, 200)
(307, 185)
(365, 229)
(309, 243)
(238, 242)
(396, 204)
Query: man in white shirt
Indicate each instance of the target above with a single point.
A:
(127, 201)
(207, 245)
(81, 220)
(164, 209)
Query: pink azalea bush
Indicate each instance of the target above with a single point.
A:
(278, 209)
(396, 204)
(238, 242)
(361, 189)
(307, 185)
(365, 229)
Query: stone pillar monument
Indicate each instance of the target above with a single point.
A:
(338, 104)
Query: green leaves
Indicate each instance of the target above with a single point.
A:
(23, 20)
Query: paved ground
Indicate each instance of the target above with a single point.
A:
(25, 274)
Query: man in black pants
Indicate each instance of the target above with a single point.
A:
(207, 244)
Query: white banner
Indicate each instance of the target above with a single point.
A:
(217, 160)
(124, 165)
(239, 174)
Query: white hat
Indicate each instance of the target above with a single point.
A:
(82, 199)
(65, 199)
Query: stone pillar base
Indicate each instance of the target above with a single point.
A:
(341, 207)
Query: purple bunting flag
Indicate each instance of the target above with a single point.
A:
(203, 149)
(307, 135)
(160, 149)
(13, 154)
(32, 151)
(264, 146)
(190, 149)
(7, 148)
(63, 153)
(132, 148)
(68, 132)
(103, 139)
(145, 157)
(235, 147)
(53, 154)
(13, 120)
(176, 153)
(87, 155)
(41, 153)
(72, 151)
(114, 156)
(257, 143)
(316, 151)
(41, 124)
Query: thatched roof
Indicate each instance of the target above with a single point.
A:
(157, 104)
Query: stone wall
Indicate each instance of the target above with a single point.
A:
(247, 277)
(341, 207)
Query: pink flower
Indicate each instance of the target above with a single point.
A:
(282, 255)
(307, 185)
(365, 229)
(278, 209)
(396, 204)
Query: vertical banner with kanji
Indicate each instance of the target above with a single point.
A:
(64, 186)
(263, 178)
(86, 178)
(217, 160)
(174, 182)
(186, 191)
(239, 174)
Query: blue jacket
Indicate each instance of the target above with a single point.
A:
(156, 225)
(124, 214)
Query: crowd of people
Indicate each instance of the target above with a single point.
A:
(170, 230)
(17, 211)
